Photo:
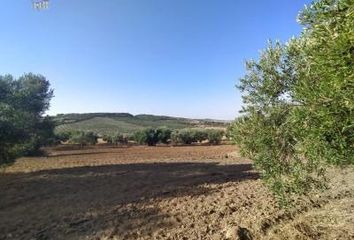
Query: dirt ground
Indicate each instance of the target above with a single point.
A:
(195, 192)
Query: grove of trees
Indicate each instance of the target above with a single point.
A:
(153, 136)
(147, 136)
(23, 126)
(189, 136)
(298, 112)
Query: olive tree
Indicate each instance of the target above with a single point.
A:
(200, 135)
(117, 138)
(83, 138)
(146, 136)
(152, 136)
(183, 136)
(23, 126)
(214, 136)
(163, 134)
(298, 112)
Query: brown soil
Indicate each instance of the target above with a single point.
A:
(199, 192)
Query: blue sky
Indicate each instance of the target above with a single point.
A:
(167, 57)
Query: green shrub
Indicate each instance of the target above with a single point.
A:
(146, 136)
(163, 134)
(200, 135)
(83, 138)
(184, 136)
(175, 137)
(214, 136)
(117, 138)
(62, 136)
(193, 135)
(152, 136)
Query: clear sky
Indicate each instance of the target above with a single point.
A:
(167, 57)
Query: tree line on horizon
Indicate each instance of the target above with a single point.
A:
(148, 136)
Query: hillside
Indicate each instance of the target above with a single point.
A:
(103, 123)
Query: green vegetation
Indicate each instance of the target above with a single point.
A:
(299, 102)
(23, 128)
(199, 135)
(163, 134)
(83, 138)
(152, 136)
(117, 138)
(62, 137)
(106, 123)
(214, 136)
(189, 136)
(99, 125)
(184, 136)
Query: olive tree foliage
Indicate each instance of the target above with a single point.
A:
(163, 134)
(146, 136)
(23, 128)
(62, 136)
(214, 136)
(299, 101)
(195, 135)
(183, 136)
(153, 136)
(324, 61)
(117, 138)
(83, 138)
(199, 135)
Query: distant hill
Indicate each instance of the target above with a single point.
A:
(104, 123)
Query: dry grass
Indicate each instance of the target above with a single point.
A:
(199, 192)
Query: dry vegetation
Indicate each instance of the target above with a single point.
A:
(193, 192)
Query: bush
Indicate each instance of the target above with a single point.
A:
(184, 136)
(83, 138)
(175, 137)
(152, 136)
(62, 136)
(200, 135)
(147, 136)
(116, 139)
(189, 136)
(214, 136)
(163, 134)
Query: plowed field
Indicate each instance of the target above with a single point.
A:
(195, 192)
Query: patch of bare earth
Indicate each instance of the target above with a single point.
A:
(199, 192)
